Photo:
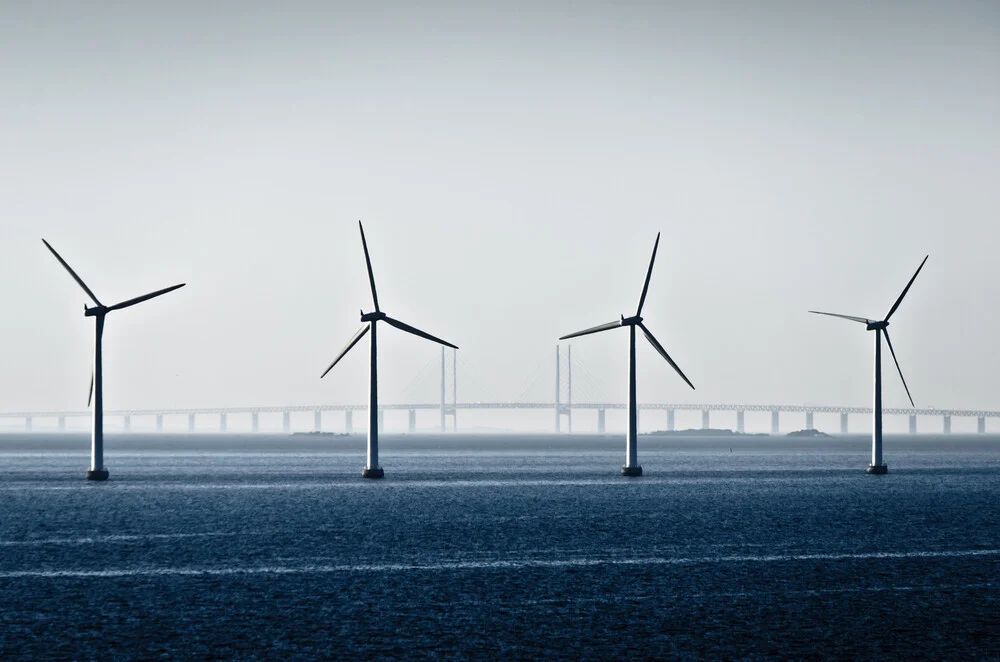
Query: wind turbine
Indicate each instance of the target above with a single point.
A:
(97, 469)
(632, 467)
(880, 327)
(372, 469)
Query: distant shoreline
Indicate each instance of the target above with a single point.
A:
(79, 442)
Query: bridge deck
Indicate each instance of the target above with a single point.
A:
(510, 405)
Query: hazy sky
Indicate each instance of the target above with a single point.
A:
(512, 164)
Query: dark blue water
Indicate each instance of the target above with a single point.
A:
(500, 548)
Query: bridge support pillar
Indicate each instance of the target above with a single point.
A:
(843, 422)
(286, 421)
(128, 423)
(413, 421)
(381, 420)
(981, 425)
(600, 421)
(810, 425)
(670, 420)
(27, 423)
(190, 422)
(913, 424)
(348, 421)
(774, 421)
(255, 422)
(317, 421)
(159, 422)
(222, 422)
(62, 423)
(947, 424)
(704, 419)
(740, 426)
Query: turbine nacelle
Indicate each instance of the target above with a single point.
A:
(94, 311)
(877, 326)
(635, 320)
(376, 316)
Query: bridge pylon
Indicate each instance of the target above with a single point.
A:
(449, 408)
(565, 408)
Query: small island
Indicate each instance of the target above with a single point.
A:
(810, 432)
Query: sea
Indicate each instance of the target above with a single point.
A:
(500, 547)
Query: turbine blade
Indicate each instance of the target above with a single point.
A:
(354, 341)
(595, 329)
(79, 281)
(145, 297)
(368, 263)
(417, 332)
(90, 393)
(863, 320)
(905, 290)
(659, 348)
(649, 272)
(898, 369)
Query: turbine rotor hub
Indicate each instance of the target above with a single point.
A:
(631, 321)
(94, 311)
(373, 317)
(880, 326)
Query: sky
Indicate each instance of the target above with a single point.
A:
(512, 164)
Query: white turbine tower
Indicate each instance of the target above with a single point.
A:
(881, 327)
(97, 469)
(632, 467)
(372, 469)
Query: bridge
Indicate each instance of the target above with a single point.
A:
(561, 406)
(221, 414)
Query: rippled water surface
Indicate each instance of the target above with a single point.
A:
(493, 547)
